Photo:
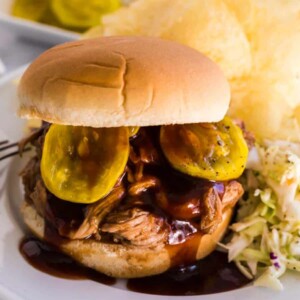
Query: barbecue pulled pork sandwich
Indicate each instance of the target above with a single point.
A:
(135, 166)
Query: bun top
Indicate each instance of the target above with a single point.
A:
(123, 81)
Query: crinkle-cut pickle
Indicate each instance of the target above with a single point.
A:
(82, 164)
(29, 9)
(82, 13)
(133, 130)
(214, 151)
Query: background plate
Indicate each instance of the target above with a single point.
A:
(18, 280)
(32, 30)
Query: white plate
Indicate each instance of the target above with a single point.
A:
(18, 280)
(32, 30)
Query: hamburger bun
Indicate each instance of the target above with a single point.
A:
(123, 81)
(117, 260)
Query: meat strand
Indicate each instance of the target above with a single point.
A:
(136, 227)
(94, 215)
(212, 205)
(211, 211)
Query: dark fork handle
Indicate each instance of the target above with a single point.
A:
(3, 142)
(9, 146)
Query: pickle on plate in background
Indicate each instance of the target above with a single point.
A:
(77, 15)
(82, 14)
(30, 9)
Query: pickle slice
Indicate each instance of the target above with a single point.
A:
(133, 130)
(30, 9)
(82, 164)
(82, 13)
(215, 151)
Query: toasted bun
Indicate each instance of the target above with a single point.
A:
(123, 81)
(118, 260)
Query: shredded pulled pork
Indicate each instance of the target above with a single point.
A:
(31, 138)
(30, 175)
(39, 197)
(37, 194)
(124, 214)
(212, 205)
(136, 227)
(211, 211)
(233, 192)
(142, 185)
(248, 136)
(95, 213)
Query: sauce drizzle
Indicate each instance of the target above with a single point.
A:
(50, 261)
(208, 276)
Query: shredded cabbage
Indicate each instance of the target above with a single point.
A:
(266, 235)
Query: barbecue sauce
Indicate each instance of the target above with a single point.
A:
(211, 275)
(208, 276)
(50, 261)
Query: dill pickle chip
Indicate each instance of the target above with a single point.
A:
(133, 130)
(50, 19)
(30, 9)
(215, 151)
(82, 13)
(82, 164)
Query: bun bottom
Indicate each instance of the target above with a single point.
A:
(120, 261)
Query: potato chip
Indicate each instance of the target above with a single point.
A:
(93, 32)
(275, 73)
(207, 26)
(263, 109)
(254, 13)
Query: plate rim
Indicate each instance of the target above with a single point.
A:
(21, 26)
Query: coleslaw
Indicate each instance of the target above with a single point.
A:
(266, 235)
